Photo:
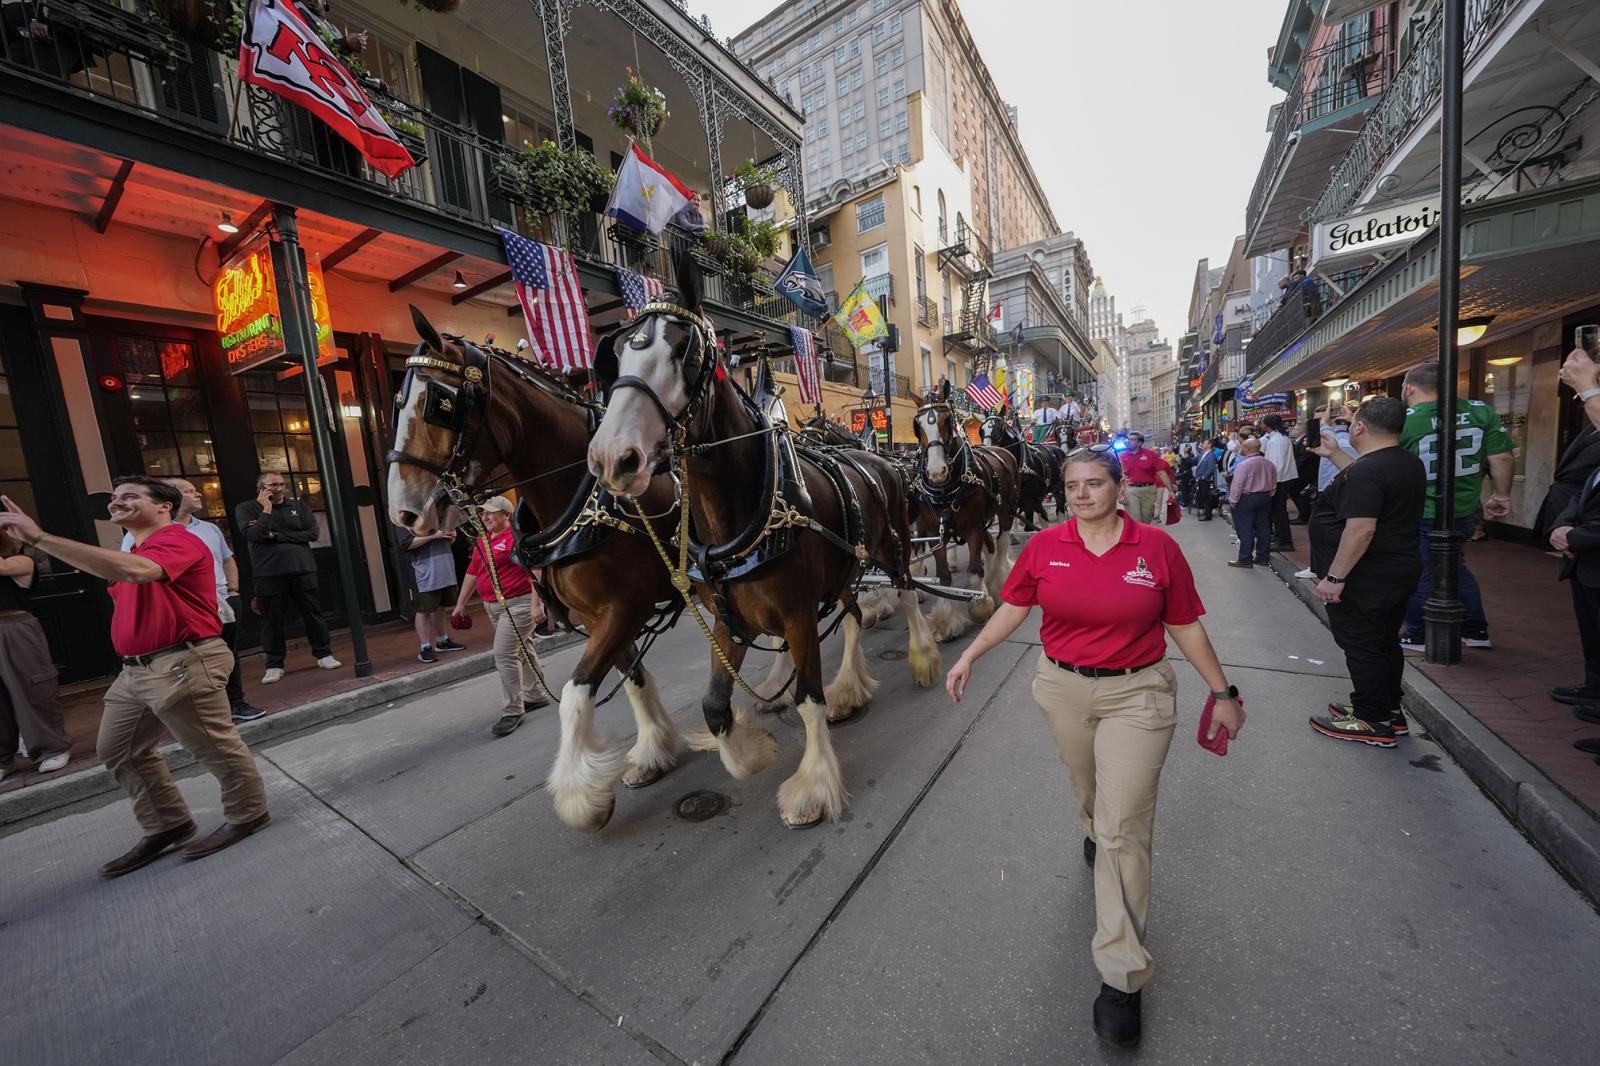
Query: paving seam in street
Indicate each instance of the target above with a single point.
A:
(536, 958)
(866, 870)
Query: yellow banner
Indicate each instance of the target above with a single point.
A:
(858, 316)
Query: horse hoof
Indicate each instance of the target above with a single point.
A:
(641, 778)
(796, 824)
(842, 714)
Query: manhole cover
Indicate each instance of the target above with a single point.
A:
(892, 654)
(699, 806)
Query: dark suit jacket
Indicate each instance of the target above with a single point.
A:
(280, 542)
(1583, 515)
(1581, 459)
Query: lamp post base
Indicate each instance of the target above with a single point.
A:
(1443, 613)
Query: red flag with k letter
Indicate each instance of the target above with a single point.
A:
(281, 53)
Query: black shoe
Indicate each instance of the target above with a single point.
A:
(1397, 722)
(1116, 1016)
(535, 705)
(1283, 547)
(1237, 565)
(1588, 745)
(1581, 694)
(426, 655)
(1349, 727)
(148, 850)
(1203, 518)
(507, 725)
(1588, 712)
(446, 644)
(1089, 850)
(243, 712)
(1263, 562)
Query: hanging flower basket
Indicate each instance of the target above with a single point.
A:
(759, 182)
(547, 180)
(760, 197)
(638, 109)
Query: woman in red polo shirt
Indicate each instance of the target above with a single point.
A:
(1111, 590)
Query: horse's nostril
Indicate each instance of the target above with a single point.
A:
(629, 464)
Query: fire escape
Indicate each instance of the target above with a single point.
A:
(967, 257)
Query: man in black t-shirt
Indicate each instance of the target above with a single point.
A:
(1364, 546)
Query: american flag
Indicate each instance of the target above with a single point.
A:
(984, 394)
(547, 286)
(637, 289)
(806, 370)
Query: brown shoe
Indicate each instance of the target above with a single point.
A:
(225, 837)
(148, 850)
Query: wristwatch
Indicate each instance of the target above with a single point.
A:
(1229, 693)
(1335, 580)
(1588, 394)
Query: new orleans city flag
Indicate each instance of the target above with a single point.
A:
(858, 316)
(647, 195)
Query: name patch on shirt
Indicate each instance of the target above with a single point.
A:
(1140, 575)
(1058, 562)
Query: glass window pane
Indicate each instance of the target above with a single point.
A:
(295, 418)
(311, 489)
(187, 409)
(264, 412)
(272, 454)
(211, 491)
(258, 383)
(302, 454)
(178, 363)
(140, 361)
(160, 454)
(149, 409)
(197, 454)
(11, 461)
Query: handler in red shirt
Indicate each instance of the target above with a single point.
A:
(1111, 590)
(1147, 474)
(523, 610)
(175, 669)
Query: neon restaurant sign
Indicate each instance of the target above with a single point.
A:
(245, 295)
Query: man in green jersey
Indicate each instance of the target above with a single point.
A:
(1480, 442)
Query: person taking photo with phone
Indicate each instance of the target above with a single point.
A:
(1110, 591)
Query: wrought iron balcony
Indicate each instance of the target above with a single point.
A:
(966, 254)
(927, 311)
(879, 286)
(1408, 102)
(1299, 307)
(870, 217)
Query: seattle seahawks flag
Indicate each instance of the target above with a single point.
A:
(800, 284)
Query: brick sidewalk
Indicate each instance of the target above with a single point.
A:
(1535, 649)
(392, 647)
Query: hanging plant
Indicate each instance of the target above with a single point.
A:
(759, 182)
(548, 180)
(638, 109)
(743, 247)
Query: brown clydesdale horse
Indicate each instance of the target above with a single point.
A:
(671, 401)
(963, 488)
(521, 424)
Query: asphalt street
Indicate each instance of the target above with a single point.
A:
(417, 901)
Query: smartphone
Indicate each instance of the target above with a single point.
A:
(1314, 433)
(1587, 338)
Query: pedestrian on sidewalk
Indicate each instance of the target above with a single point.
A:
(1575, 533)
(226, 572)
(1208, 477)
(30, 707)
(1111, 590)
(1255, 480)
(1279, 450)
(165, 626)
(1186, 463)
(1364, 548)
(515, 608)
(280, 531)
(1147, 475)
(1306, 465)
(1480, 440)
(433, 572)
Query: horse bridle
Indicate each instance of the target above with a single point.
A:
(451, 407)
(702, 354)
(960, 445)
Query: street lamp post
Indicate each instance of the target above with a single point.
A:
(1443, 612)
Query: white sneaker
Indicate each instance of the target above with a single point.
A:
(328, 662)
(273, 675)
(1307, 574)
(53, 763)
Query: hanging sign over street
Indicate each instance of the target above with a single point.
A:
(1365, 234)
(246, 298)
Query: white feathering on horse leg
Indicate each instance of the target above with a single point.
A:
(655, 749)
(980, 609)
(852, 686)
(922, 654)
(816, 789)
(587, 767)
(1002, 564)
(746, 748)
(949, 618)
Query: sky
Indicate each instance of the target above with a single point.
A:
(1145, 122)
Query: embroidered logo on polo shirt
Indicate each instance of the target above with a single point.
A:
(1140, 575)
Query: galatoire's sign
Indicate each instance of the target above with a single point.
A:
(1373, 230)
(246, 298)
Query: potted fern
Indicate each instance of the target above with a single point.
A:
(550, 181)
(759, 182)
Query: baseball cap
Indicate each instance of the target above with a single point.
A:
(497, 503)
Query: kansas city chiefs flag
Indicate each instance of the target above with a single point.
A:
(282, 54)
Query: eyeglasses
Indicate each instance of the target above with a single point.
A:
(1095, 448)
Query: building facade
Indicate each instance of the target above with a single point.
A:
(1147, 354)
(1105, 327)
(1164, 394)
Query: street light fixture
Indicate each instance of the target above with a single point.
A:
(1469, 330)
(226, 225)
(1334, 383)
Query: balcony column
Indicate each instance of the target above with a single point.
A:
(711, 121)
(556, 18)
(794, 180)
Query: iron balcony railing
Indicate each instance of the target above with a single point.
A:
(870, 217)
(966, 253)
(1408, 101)
(927, 312)
(1299, 306)
(879, 286)
(1337, 75)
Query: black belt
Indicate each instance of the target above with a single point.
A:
(1101, 671)
(148, 657)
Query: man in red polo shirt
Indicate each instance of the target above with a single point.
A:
(175, 669)
(1147, 474)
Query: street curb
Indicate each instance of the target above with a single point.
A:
(1558, 825)
(61, 792)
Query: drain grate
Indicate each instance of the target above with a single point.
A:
(892, 654)
(701, 805)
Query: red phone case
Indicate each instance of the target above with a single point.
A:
(1218, 745)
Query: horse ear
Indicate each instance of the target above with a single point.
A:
(425, 330)
(687, 271)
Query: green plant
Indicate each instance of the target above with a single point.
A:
(750, 174)
(404, 126)
(743, 246)
(638, 108)
(548, 180)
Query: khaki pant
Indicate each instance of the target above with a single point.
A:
(1144, 504)
(185, 692)
(1113, 734)
(517, 680)
(29, 703)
